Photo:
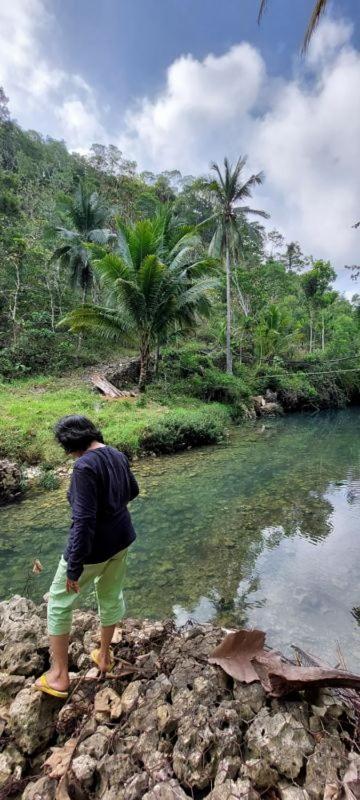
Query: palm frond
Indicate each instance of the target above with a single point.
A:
(317, 12)
(108, 323)
(101, 236)
(262, 8)
(243, 210)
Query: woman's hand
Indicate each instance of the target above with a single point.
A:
(72, 586)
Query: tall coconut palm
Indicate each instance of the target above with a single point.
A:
(316, 14)
(87, 215)
(229, 190)
(149, 288)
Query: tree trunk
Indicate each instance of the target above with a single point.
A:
(323, 332)
(229, 368)
(13, 308)
(83, 299)
(157, 358)
(144, 366)
(311, 332)
(52, 306)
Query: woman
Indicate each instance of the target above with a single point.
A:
(101, 531)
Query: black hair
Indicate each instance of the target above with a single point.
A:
(75, 433)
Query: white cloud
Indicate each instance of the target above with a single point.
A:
(303, 132)
(42, 94)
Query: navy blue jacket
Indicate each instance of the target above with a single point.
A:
(102, 485)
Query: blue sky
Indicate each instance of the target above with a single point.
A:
(178, 83)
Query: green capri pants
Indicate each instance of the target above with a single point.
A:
(108, 579)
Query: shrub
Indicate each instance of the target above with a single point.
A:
(49, 480)
(182, 429)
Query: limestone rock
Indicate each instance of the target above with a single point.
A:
(260, 773)
(96, 745)
(323, 766)
(136, 787)
(203, 740)
(107, 705)
(114, 771)
(83, 767)
(234, 790)
(23, 637)
(249, 699)
(20, 620)
(228, 769)
(166, 721)
(22, 659)
(130, 696)
(170, 790)
(290, 792)
(10, 481)
(42, 789)
(281, 741)
(32, 719)
(10, 685)
(11, 764)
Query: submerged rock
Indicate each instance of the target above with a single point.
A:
(10, 481)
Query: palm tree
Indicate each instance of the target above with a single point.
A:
(229, 189)
(316, 14)
(152, 283)
(87, 215)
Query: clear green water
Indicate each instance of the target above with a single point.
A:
(262, 531)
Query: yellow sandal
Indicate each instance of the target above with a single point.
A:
(43, 686)
(95, 659)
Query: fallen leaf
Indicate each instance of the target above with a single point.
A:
(60, 758)
(235, 652)
(331, 792)
(62, 789)
(242, 655)
(37, 567)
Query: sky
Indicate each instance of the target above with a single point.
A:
(177, 84)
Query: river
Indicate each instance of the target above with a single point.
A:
(262, 531)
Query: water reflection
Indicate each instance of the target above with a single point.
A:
(262, 531)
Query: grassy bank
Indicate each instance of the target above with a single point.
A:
(29, 409)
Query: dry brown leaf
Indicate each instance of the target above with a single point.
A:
(60, 758)
(241, 654)
(62, 789)
(332, 792)
(235, 653)
(37, 566)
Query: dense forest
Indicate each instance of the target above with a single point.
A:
(97, 259)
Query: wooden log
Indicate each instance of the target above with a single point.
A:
(108, 389)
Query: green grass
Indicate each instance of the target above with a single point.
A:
(29, 409)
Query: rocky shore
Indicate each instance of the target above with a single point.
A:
(166, 725)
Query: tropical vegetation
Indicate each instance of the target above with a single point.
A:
(100, 262)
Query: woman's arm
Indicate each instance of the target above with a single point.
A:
(84, 508)
(132, 483)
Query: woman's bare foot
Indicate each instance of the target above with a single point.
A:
(57, 680)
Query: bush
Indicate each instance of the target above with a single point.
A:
(181, 429)
(49, 480)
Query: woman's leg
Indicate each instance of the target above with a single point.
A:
(59, 612)
(109, 591)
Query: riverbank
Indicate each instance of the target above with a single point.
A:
(136, 425)
(191, 402)
(167, 725)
